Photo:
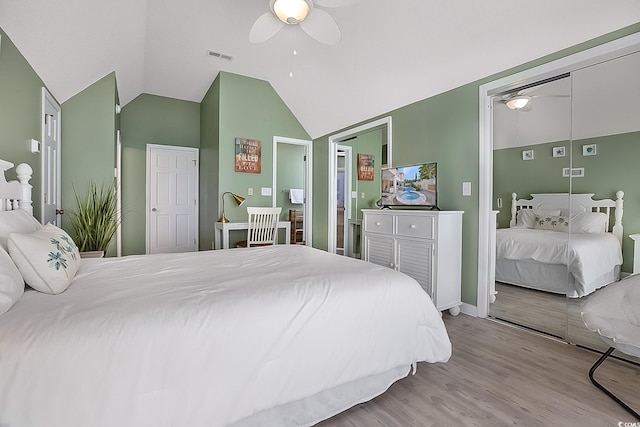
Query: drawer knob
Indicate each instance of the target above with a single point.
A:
(378, 223)
(412, 226)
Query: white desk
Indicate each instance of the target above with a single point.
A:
(222, 232)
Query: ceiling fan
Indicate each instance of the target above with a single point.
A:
(521, 100)
(315, 22)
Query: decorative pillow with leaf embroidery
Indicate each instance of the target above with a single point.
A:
(48, 259)
(551, 222)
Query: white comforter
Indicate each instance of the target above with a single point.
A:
(588, 256)
(207, 338)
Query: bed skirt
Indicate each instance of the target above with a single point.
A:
(553, 278)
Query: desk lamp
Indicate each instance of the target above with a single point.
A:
(238, 199)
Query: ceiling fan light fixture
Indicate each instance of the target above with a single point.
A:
(518, 102)
(290, 11)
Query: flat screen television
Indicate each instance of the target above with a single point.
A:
(410, 186)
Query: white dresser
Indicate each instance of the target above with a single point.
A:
(426, 245)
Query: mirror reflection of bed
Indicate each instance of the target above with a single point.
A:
(581, 120)
(539, 263)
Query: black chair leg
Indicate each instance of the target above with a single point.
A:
(607, 392)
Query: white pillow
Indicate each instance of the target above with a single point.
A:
(11, 282)
(47, 259)
(18, 221)
(525, 218)
(589, 222)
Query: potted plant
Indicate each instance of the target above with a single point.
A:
(95, 220)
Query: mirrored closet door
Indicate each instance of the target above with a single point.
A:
(531, 149)
(606, 148)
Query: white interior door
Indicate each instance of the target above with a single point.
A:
(172, 199)
(50, 160)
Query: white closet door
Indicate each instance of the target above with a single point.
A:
(172, 199)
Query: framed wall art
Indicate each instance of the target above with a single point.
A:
(248, 155)
(558, 151)
(365, 167)
(589, 150)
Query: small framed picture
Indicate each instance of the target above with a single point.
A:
(558, 151)
(589, 150)
(527, 155)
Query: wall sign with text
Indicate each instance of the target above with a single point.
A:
(248, 155)
(365, 167)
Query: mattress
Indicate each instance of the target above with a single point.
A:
(239, 336)
(549, 260)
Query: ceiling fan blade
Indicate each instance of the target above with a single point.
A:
(265, 27)
(334, 3)
(321, 26)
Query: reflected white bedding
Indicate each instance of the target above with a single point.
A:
(590, 256)
(211, 338)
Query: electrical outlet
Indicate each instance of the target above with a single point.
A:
(249, 191)
(362, 195)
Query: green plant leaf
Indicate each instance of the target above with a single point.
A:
(95, 219)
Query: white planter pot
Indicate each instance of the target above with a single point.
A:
(92, 254)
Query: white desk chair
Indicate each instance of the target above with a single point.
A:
(263, 227)
(614, 314)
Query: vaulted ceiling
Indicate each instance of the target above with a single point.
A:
(391, 53)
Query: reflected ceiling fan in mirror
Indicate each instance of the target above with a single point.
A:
(317, 23)
(521, 100)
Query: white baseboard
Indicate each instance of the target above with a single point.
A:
(469, 309)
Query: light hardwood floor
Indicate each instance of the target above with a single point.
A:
(538, 310)
(500, 375)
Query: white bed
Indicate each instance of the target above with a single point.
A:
(281, 336)
(575, 260)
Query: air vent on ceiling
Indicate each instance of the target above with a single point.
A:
(220, 55)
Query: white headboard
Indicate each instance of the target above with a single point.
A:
(16, 194)
(575, 202)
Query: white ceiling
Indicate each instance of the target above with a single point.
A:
(391, 53)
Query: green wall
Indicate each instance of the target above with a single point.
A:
(290, 174)
(88, 142)
(511, 174)
(249, 108)
(209, 161)
(443, 128)
(20, 113)
(612, 169)
(150, 119)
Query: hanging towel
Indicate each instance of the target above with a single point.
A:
(296, 195)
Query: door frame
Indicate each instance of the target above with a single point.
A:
(383, 123)
(348, 196)
(46, 96)
(308, 181)
(604, 52)
(196, 193)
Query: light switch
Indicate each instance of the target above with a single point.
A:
(265, 191)
(499, 202)
(354, 194)
(34, 146)
(362, 195)
(249, 191)
(466, 188)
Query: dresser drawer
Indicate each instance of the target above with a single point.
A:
(378, 223)
(416, 226)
